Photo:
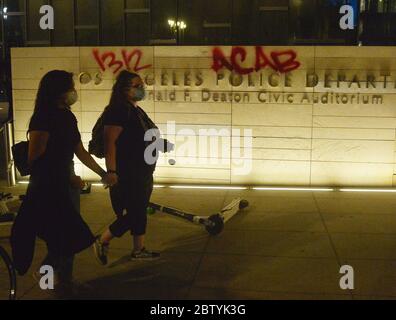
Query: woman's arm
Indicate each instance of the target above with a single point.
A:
(37, 145)
(87, 160)
(111, 134)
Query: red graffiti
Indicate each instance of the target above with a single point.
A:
(220, 61)
(119, 64)
(280, 61)
(128, 57)
(101, 59)
(238, 51)
(288, 65)
(262, 61)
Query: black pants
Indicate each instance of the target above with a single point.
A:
(63, 265)
(130, 198)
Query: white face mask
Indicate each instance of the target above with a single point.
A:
(71, 98)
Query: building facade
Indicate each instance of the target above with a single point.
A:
(286, 115)
(252, 92)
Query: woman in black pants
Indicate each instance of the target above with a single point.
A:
(131, 176)
(47, 210)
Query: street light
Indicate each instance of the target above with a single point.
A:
(171, 23)
(176, 25)
(181, 25)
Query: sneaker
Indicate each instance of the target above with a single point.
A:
(100, 251)
(144, 254)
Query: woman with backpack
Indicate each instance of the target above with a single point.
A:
(125, 125)
(47, 210)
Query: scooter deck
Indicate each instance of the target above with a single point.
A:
(231, 209)
(173, 211)
(225, 214)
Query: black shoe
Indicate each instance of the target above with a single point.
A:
(100, 251)
(144, 254)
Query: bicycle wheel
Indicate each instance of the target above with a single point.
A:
(7, 277)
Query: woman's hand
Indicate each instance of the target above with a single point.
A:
(110, 179)
(76, 182)
(169, 146)
(87, 159)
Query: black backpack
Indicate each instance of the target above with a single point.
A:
(20, 154)
(96, 145)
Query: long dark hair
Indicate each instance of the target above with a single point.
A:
(121, 87)
(52, 86)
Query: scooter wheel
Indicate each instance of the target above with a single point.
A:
(218, 225)
(243, 204)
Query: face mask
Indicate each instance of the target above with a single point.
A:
(71, 98)
(139, 94)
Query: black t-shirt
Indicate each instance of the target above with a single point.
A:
(61, 124)
(130, 144)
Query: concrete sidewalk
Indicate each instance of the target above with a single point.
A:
(286, 245)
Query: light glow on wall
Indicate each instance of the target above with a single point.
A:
(207, 187)
(263, 188)
(368, 190)
(293, 189)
